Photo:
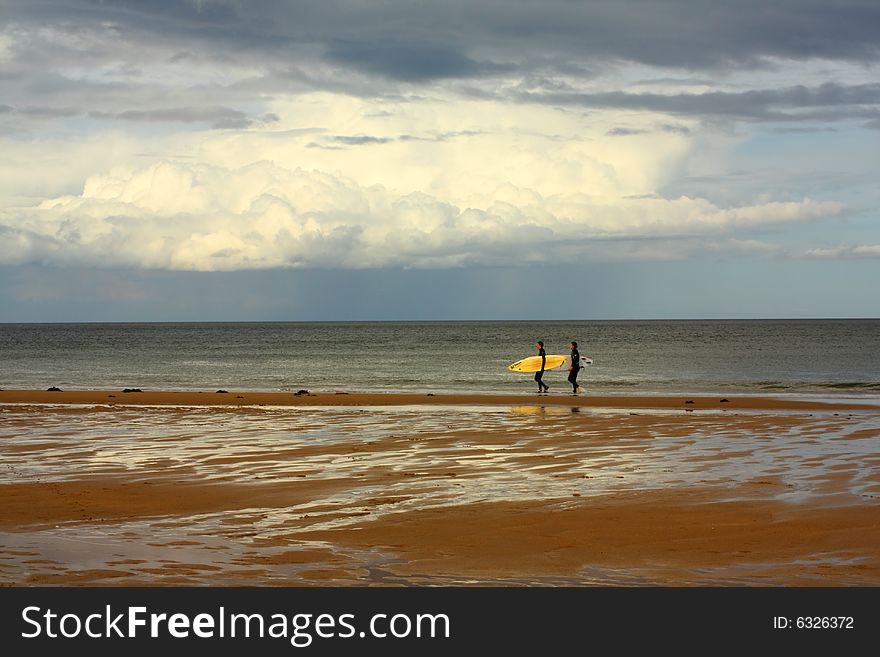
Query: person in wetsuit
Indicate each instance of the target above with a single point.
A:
(575, 368)
(539, 375)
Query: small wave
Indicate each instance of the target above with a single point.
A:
(852, 385)
(775, 385)
(820, 385)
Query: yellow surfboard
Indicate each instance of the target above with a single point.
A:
(533, 363)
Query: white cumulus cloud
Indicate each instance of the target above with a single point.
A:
(203, 217)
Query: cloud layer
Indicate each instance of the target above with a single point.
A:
(207, 218)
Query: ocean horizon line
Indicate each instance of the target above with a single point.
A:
(442, 321)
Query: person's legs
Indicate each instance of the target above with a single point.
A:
(573, 380)
(538, 376)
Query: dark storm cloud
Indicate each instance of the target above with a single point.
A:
(494, 49)
(218, 117)
(674, 129)
(359, 140)
(48, 112)
(625, 132)
(784, 130)
(335, 142)
(326, 147)
(827, 101)
(407, 62)
(688, 33)
(416, 41)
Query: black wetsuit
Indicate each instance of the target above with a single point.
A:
(539, 374)
(575, 368)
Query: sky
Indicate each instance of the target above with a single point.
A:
(209, 160)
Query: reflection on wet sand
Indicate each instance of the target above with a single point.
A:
(434, 494)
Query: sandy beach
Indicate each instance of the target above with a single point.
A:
(257, 488)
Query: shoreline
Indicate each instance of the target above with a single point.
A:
(243, 398)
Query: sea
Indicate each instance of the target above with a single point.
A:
(839, 358)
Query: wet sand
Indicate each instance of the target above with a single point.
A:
(401, 490)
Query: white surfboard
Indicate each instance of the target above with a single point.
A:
(584, 361)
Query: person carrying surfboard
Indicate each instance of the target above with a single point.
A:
(574, 368)
(539, 375)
